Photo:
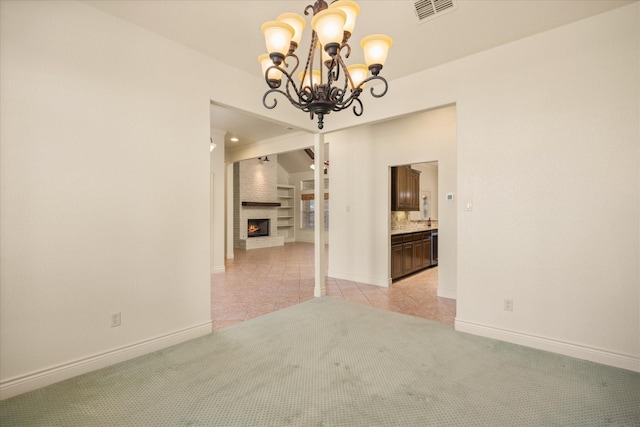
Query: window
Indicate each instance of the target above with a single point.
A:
(307, 213)
(307, 204)
(307, 210)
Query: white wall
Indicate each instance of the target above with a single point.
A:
(360, 205)
(547, 148)
(104, 197)
(217, 202)
(283, 175)
(105, 189)
(428, 185)
(548, 138)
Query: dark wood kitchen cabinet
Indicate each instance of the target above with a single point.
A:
(407, 257)
(418, 261)
(396, 256)
(405, 188)
(414, 190)
(426, 250)
(410, 252)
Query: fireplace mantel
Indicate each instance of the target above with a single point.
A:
(262, 204)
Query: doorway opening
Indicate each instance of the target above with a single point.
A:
(414, 219)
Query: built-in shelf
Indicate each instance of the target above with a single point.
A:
(262, 204)
(286, 220)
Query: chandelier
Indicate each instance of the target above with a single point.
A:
(326, 84)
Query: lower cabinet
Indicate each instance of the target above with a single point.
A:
(410, 252)
(407, 256)
(418, 262)
(396, 260)
(426, 251)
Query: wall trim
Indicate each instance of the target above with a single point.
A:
(383, 283)
(447, 293)
(560, 347)
(217, 269)
(35, 380)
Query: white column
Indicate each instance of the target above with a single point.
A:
(218, 176)
(320, 288)
(230, 212)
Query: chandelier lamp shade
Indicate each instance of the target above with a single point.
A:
(326, 83)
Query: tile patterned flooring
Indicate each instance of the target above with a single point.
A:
(260, 281)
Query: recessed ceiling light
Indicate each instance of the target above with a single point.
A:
(233, 139)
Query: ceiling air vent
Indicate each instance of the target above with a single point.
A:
(429, 9)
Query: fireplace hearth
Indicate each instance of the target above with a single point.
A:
(258, 227)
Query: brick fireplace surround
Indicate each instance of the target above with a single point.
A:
(255, 181)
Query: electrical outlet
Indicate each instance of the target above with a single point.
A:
(508, 304)
(116, 319)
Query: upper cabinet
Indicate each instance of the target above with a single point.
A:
(405, 189)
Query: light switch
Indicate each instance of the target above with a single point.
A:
(468, 205)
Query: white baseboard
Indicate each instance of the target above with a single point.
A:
(384, 282)
(447, 293)
(217, 269)
(568, 349)
(32, 381)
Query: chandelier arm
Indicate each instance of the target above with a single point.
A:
(338, 94)
(308, 9)
(337, 99)
(305, 95)
(299, 94)
(312, 50)
(346, 103)
(335, 69)
(358, 109)
(347, 76)
(348, 46)
(275, 101)
(289, 85)
(292, 55)
(272, 83)
(299, 105)
(306, 98)
(375, 95)
(302, 100)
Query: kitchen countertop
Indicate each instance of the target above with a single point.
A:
(414, 228)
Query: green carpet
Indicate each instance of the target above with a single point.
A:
(330, 362)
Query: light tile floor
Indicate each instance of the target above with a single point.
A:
(260, 281)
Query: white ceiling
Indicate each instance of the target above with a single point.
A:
(229, 31)
(246, 127)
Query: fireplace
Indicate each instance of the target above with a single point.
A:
(258, 227)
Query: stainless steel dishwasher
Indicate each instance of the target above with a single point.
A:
(434, 247)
